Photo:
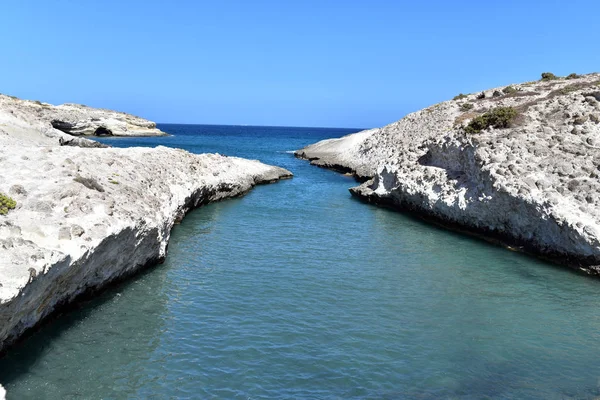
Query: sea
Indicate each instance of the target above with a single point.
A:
(299, 291)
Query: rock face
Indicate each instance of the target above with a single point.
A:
(88, 216)
(74, 119)
(533, 185)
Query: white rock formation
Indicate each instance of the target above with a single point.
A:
(88, 216)
(74, 119)
(533, 185)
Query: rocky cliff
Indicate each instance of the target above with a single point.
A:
(85, 217)
(72, 119)
(519, 164)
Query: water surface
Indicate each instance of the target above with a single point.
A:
(298, 291)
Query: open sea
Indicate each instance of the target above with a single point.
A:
(299, 291)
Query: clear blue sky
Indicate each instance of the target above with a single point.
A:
(276, 62)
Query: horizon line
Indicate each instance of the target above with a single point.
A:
(264, 126)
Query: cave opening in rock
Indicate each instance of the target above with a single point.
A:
(102, 131)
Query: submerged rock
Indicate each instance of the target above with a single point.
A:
(85, 217)
(533, 184)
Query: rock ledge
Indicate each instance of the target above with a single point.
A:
(86, 217)
(72, 119)
(533, 186)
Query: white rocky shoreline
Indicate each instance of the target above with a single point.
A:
(86, 217)
(532, 185)
(73, 119)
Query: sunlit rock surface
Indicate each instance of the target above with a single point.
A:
(87, 216)
(533, 185)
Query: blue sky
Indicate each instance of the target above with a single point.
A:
(297, 63)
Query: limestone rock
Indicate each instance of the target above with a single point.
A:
(88, 216)
(534, 184)
(67, 121)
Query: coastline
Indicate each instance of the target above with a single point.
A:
(530, 186)
(583, 266)
(587, 266)
(60, 244)
(72, 122)
(86, 218)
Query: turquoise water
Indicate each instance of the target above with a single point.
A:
(298, 291)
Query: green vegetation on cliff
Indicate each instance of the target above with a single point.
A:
(6, 204)
(498, 118)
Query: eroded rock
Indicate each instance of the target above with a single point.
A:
(87, 217)
(524, 184)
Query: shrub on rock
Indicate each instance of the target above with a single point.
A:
(459, 96)
(6, 204)
(548, 76)
(497, 118)
(466, 107)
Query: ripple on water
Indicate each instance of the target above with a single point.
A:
(299, 291)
